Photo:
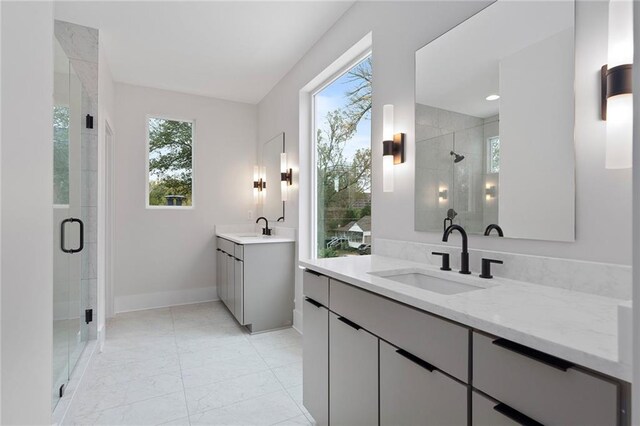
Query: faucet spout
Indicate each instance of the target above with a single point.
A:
(464, 257)
(266, 230)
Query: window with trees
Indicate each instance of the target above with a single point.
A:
(170, 162)
(342, 130)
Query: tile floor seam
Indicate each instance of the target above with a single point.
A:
(184, 390)
(279, 381)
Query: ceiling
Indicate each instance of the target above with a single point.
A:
(458, 70)
(233, 50)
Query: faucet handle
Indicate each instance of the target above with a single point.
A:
(445, 260)
(486, 267)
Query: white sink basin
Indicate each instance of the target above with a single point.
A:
(423, 280)
(248, 235)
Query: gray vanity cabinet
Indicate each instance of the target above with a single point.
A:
(411, 394)
(484, 413)
(231, 279)
(353, 376)
(221, 274)
(256, 283)
(238, 290)
(315, 361)
(546, 389)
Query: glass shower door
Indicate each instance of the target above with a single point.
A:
(69, 329)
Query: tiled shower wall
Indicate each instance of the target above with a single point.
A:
(81, 46)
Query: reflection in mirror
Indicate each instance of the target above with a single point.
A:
(273, 206)
(494, 123)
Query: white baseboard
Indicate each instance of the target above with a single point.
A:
(297, 320)
(139, 302)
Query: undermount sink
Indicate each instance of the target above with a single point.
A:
(248, 235)
(425, 281)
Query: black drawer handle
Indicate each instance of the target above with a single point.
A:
(516, 415)
(349, 323)
(536, 355)
(411, 357)
(313, 302)
(317, 274)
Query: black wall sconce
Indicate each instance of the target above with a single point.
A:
(615, 81)
(259, 184)
(89, 121)
(392, 148)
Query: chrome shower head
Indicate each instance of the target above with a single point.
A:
(458, 157)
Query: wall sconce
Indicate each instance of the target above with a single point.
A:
(443, 194)
(392, 148)
(286, 176)
(259, 184)
(490, 192)
(616, 80)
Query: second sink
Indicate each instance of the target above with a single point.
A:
(420, 279)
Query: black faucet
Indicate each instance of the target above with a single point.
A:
(492, 227)
(464, 259)
(265, 230)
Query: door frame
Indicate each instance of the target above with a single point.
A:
(109, 210)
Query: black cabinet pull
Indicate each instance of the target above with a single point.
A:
(411, 357)
(349, 323)
(534, 354)
(313, 302)
(317, 274)
(516, 415)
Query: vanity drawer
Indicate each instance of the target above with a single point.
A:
(438, 342)
(225, 245)
(316, 287)
(549, 390)
(484, 413)
(238, 251)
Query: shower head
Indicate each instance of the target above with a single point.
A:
(458, 158)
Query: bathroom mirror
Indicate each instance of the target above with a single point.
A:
(495, 123)
(273, 206)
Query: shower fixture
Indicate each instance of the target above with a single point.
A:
(458, 157)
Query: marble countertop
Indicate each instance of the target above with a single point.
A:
(249, 238)
(579, 327)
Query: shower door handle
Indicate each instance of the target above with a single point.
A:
(62, 235)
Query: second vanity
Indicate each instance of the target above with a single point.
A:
(255, 278)
(491, 352)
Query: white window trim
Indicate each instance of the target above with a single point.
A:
(314, 170)
(193, 162)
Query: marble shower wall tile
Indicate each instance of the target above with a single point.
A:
(603, 279)
(78, 42)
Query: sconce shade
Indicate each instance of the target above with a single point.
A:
(259, 184)
(387, 173)
(616, 93)
(392, 148)
(286, 177)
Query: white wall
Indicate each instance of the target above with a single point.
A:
(27, 221)
(106, 114)
(603, 197)
(162, 256)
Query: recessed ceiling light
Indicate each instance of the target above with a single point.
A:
(492, 97)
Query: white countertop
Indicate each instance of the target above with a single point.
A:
(248, 238)
(579, 327)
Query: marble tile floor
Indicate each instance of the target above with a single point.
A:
(191, 365)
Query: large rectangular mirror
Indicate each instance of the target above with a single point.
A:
(273, 206)
(495, 123)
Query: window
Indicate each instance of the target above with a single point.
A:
(170, 165)
(493, 155)
(342, 133)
